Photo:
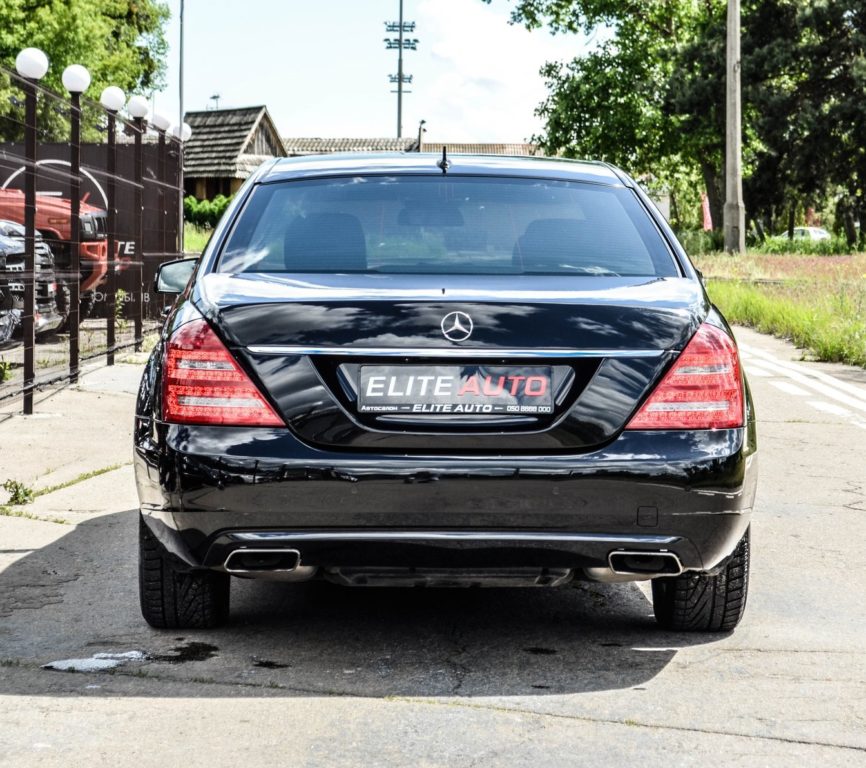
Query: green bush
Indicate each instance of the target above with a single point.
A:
(780, 244)
(204, 213)
(697, 241)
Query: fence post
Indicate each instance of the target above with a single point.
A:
(76, 80)
(27, 321)
(160, 179)
(111, 289)
(112, 99)
(138, 206)
(31, 64)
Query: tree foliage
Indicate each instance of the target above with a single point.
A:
(121, 42)
(650, 97)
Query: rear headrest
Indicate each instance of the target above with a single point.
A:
(550, 241)
(325, 242)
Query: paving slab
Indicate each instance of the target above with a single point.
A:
(323, 676)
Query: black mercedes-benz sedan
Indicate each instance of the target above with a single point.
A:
(436, 371)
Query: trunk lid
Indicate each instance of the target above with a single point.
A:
(596, 346)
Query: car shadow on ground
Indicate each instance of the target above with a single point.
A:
(79, 596)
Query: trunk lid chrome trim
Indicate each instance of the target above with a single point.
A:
(460, 352)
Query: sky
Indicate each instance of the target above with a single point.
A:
(322, 69)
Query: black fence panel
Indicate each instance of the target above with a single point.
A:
(107, 256)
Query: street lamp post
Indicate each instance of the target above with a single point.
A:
(182, 132)
(112, 99)
(76, 80)
(162, 124)
(138, 109)
(31, 64)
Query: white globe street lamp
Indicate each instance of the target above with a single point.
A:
(76, 79)
(138, 107)
(159, 121)
(113, 98)
(31, 63)
(182, 131)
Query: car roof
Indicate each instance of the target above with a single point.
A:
(423, 163)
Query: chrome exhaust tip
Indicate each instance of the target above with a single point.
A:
(636, 563)
(262, 561)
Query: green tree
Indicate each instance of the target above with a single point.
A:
(121, 42)
(614, 102)
(651, 98)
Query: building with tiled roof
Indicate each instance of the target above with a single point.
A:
(479, 148)
(225, 147)
(319, 146)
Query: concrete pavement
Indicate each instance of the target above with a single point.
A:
(321, 676)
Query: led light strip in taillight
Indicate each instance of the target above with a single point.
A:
(203, 383)
(703, 389)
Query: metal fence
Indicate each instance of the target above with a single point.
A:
(89, 207)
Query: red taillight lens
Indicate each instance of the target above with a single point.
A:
(203, 383)
(704, 389)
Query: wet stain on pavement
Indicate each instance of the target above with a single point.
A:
(266, 664)
(536, 651)
(191, 651)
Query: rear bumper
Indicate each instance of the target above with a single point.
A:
(205, 491)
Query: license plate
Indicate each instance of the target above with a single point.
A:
(455, 389)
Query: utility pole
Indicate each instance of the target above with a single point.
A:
(180, 141)
(400, 27)
(735, 210)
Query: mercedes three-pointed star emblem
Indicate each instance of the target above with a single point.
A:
(457, 326)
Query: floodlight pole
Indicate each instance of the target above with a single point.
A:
(400, 77)
(735, 210)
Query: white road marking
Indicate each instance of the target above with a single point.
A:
(751, 370)
(861, 424)
(765, 358)
(811, 381)
(836, 410)
(791, 389)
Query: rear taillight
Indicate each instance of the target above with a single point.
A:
(203, 383)
(703, 390)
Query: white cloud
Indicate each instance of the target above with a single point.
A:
(480, 80)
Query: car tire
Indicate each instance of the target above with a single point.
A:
(173, 597)
(705, 602)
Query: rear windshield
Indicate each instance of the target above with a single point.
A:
(445, 225)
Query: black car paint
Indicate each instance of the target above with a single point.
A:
(329, 471)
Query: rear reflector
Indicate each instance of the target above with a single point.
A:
(703, 390)
(203, 383)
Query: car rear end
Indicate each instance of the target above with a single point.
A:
(496, 375)
(47, 316)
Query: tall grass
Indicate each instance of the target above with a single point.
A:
(827, 318)
(195, 238)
